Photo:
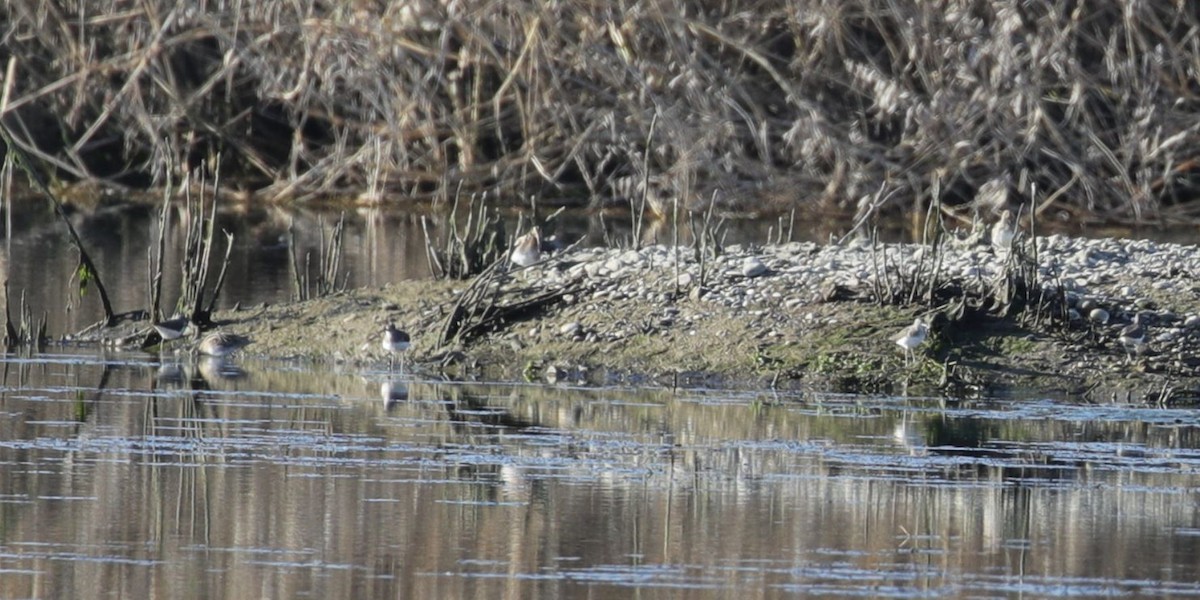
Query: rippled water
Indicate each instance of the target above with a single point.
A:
(127, 476)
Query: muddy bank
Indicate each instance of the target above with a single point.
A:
(786, 315)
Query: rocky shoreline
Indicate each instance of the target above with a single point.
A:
(785, 315)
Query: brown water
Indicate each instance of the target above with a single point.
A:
(130, 476)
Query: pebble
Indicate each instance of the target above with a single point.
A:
(1103, 277)
(752, 266)
(1169, 335)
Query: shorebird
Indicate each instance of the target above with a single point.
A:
(172, 329)
(1133, 336)
(911, 337)
(1002, 234)
(394, 341)
(527, 249)
(220, 343)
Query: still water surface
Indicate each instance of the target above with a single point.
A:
(133, 476)
(272, 248)
(274, 245)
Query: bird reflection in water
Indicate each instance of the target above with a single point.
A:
(393, 392)
(909, 433)
(171, 374)
(215, 369)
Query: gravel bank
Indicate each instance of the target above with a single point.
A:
(789, 315)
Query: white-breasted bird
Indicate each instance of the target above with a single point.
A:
(394, 342)
(911, 337)
(172, 329)
(1133, 336)
(527, 249)
(1002, 234)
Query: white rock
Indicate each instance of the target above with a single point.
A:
(753, 267)
(1168, 336)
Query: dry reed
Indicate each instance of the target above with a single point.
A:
(867, 105)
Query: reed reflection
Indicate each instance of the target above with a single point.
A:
(133, 470)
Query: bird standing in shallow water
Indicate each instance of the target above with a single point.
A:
(527, 249)
(394, 341)
(220, 343)
(911, 337)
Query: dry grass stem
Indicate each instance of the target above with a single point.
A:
(813, 104)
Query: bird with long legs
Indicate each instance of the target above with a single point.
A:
(394, 341)
(911, 337)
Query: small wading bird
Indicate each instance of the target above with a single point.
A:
(527, 249)
(911, 337)
(1002, 234)
(394, 341)
(172, 329)
(1133, 336)
(220, 343)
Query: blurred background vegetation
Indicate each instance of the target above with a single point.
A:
(1087, 110)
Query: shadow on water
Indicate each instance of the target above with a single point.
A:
(132, 474)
